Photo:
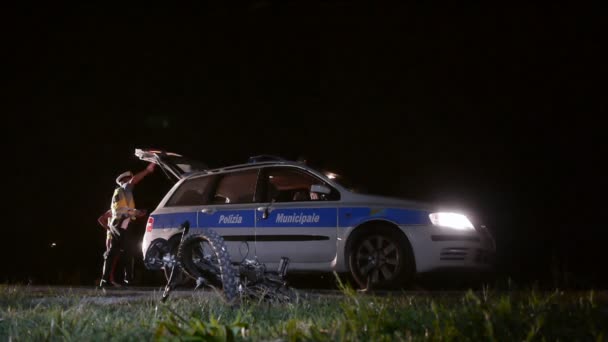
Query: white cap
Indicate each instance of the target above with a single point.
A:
(122, 175)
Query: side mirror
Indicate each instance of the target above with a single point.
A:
(320, 189)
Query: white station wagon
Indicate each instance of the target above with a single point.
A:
(271, 208)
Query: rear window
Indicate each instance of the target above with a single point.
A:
(191, 192)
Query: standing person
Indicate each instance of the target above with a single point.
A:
(123, 211)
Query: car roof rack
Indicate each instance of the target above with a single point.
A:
(264, 158)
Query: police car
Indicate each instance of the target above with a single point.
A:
(269, 208)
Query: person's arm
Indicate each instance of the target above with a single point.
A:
(140, 175)
(104, 218)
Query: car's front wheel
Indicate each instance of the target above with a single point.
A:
(380, 258)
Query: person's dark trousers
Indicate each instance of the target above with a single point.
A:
(112, 257)
(128, 254)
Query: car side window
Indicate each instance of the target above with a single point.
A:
(191, 192)
(236, 187)
(286, 184)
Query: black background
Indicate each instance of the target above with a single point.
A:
(493, 110)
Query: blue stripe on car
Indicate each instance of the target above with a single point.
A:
(293, 218)
(299, 217)
(227, 218)
(163, 221)
(350, 217)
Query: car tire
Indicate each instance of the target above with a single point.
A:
(381, 258)
(204, 255)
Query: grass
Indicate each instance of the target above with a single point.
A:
(506, 316)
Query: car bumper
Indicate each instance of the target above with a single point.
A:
(436, 248)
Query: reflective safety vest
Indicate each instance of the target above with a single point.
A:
(122, 201)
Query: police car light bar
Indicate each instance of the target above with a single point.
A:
(264, 158)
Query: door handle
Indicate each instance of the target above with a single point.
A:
(264, 211)
(208, 211)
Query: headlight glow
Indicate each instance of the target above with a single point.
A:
(451, 220)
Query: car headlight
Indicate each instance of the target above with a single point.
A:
(451, 220)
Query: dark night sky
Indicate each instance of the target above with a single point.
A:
(488, 108)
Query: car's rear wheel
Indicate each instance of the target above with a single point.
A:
(380, 258)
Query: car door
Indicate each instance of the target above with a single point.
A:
(231, 211)
(292, 223)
